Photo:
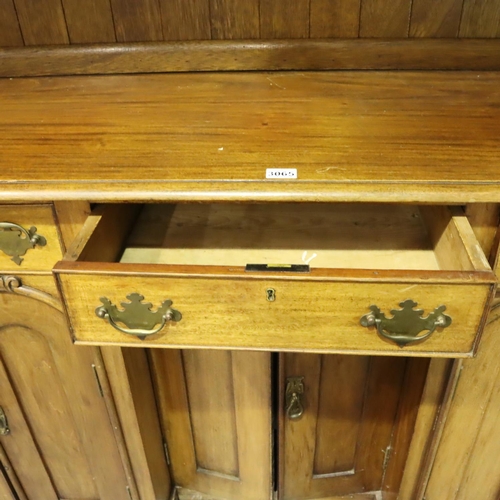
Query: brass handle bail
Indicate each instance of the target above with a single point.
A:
(294, 406)
(15, 241)
(4, 425)
(407, 323)
(137, 316)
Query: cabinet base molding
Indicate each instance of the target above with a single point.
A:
(185, 494)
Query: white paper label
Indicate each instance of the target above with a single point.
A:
(281, 173)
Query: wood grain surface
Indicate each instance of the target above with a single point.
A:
(238, 19)
(243, 318)
(131, 390)
(6, 493)
(42, 23)
(334, 18)
(435, 19)
(56, 391)
(185, 21)
(10, 31)
(137, 137)
(215, 409)
(91, 24)
(322, 235)
(283, 19)
(234, 19)
(464, 461)
(480, 18)
(137, 21)
(327, 453)
(236, 55)
(379, 21)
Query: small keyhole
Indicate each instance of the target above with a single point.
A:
(271, 294)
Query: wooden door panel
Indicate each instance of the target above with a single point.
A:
(51, 390)
(210, 388)
(339, 417)
(350, 405)
(6, 491)
(216, 412)
(20, 447)
(36, 380)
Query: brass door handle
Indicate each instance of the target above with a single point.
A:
(4, 425)
(294, 407)
(137, 316)
(14, 244)
(406, 324)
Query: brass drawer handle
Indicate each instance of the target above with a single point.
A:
(4, 425)
(405, 325)
(137, 316)
(15, 241)
(294, 406)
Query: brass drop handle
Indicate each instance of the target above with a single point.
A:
(14, 244)
(406, 324)
(137, 316)
(4, 425)
(294, 407)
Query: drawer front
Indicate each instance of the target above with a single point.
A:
(29, 238)
(305, 315)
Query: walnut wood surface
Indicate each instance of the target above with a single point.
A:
(240, 313)
(435, 19)
(46, 21)
(465, 458)
(235, 313)
(212, 136)
(377, 21)
(131, 391)
(374, 236)
(6, 493)
(10, 31)
(329, 451)
(237, 55)
(215, 408)
(91, 24)
(42, 23)
(334, 18)
(49, 390)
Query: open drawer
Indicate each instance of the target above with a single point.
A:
(352, 278)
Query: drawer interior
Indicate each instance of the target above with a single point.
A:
(335, 236)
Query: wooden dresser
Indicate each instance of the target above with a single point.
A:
(249, 285)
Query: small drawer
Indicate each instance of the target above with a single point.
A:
(29, 238)
(352, 278)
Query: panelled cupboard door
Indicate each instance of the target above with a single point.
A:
(6, 492)
(20, 446)
(61, 444)
(338, 446)
(215, 408)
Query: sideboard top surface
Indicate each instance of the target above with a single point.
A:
(352, 136)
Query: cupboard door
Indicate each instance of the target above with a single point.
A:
(339, 444)
(6, 492)
(48, 389)
(20, 446)
(216, 412)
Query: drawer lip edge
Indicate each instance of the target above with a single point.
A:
(317, 274)
(360, 352)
